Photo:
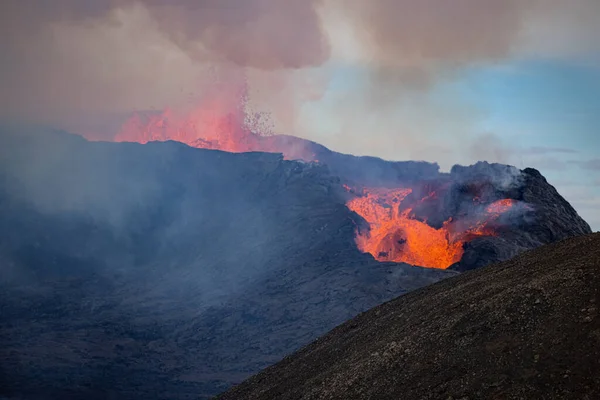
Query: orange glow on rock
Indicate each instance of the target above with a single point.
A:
(500, 206)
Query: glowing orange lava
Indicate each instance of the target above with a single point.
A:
(395, 236)
(219, 121)
(500, 206)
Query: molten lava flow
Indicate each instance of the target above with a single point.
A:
(395, 235)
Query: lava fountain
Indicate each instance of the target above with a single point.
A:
(220, 120)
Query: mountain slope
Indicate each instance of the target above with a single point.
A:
(164, 271)
(526, 328)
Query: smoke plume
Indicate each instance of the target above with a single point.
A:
(78, 63)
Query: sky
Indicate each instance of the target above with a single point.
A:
(448, 81)
(548, 115)
(544, 115)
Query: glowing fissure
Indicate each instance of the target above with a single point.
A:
(394, 235)
(220, 121)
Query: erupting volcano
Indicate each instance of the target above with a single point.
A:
(399, 224)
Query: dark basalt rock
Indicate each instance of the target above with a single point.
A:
(356, 170)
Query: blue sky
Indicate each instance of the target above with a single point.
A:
(551, 103)
(542, 114)
(547, 114)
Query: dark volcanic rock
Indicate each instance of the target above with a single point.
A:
(543, 217)
(164, 271)
(528, 328)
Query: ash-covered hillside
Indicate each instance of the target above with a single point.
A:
(165, 271)
(528, 328)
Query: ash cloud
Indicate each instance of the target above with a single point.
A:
(71, 62)
(68, 60)
(254, 33)
(414, 42)
(265, 34)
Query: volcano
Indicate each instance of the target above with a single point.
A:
(179, 267)
(407, 212)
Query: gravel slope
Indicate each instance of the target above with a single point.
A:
(528, 328)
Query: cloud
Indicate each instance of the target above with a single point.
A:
(56, 72)
(548, 150)
(565, 29)
(419, 36)
(254, 33)
(494, 148)
(68, 62)
(415, 43)
(592, 165)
